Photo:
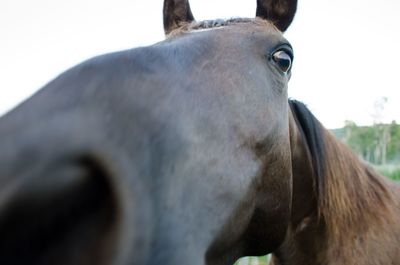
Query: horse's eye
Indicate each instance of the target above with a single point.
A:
(283, 60)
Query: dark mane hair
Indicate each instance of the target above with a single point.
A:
(352, 197)
(310, 129)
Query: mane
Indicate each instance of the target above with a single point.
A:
(217, 23)
(353, 199)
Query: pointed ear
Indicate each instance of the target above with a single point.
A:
(279, 12)
(175, 13)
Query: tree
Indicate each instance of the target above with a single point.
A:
(381, 129)
(377, 144)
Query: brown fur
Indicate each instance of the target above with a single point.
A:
(358, 208)
(355, 218)
(188, 159)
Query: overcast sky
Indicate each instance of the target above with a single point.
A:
(346, 51)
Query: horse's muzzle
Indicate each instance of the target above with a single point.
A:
(63, 212)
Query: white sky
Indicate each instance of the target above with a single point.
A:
(346, 51)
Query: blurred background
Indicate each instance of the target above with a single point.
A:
(346, 57)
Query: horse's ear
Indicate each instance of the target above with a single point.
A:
(175, 13)
(279, 12)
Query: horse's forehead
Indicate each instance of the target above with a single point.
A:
(206, 29)
(231, 25)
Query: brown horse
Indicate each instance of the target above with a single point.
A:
(187, 152)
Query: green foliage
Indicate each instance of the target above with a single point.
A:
(394, 147)
(390, 171)
(378, 144)
(394, 175)
(253, 261)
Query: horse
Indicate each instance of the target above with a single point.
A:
(188, 152)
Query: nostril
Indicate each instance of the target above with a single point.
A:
(67, 215)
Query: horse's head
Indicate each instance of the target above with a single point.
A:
(178, 153)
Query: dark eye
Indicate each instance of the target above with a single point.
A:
(283, 59)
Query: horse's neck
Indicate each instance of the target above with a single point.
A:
(354, 219)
